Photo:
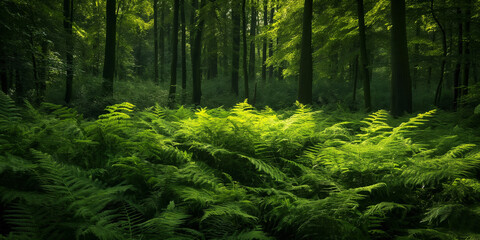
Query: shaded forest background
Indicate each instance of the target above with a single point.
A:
(220, 52)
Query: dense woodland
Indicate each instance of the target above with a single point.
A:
(239, 119)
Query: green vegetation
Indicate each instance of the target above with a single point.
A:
(236, 174)
(239, 119)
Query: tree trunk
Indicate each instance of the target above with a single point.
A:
(212, 55)
(401, 81)
(363, 56)
(458, 65)
(197, 57)
(43, 72)
(184, 51)
(305, 82)
(264, 54)
(173, 70)
(3, 72)
(438, 92)
(161, 43)
(235, 46)
(109, 62)
(355, 78)
(466, 66)
(253, 31)
(155, 41)
(270, 45)
(244, 37)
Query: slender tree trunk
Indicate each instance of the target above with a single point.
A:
(197, 57)
(244, 37)
(35, 69)
(416, 53)
(235, 46)
(270, 44)
(19, 88)
(109, 63)
(161, 43)
(264, 54)
(43, 72)
(363, 56)
(466, 66)
(155, 40)
(212, 48)
(173, 70)
(253, 31)
(438, 92)
(306, 66)
(184, 51)
(355, 78)
(458, 65)
(3, 72)
(401, 81)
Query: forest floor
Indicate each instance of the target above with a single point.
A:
(239, 173)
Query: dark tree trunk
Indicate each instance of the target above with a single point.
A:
(173, 70)
(253, 31)
(244, 38)
(235, 46)
(305, 82)
(270, 44)
(197, 57)
(35, 69)
(3, 72)
(43, 72)
(109, 63)
(401, 87)
(19, 88)
(355, 78)
(155, 41)
(458, 65)
(161, 43)
(264, 53)
(416, 53)
(212, 56)
(184, 51)
(363, 56)
(466, 66)
(438, 92)
(67, 24)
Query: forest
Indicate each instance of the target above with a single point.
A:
(240, 119)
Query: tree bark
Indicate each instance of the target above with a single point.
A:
(270, 44)
(197, 57)
(3, 72)
(173, 70)
(264, 53)
(109, 62)
(184, 51)
(363, 56)
(253, 31)
(155, 40)
(305, 82)
(235, 47)
(401, 85)
(466, 66)
(438, 92)
(458, 65)
(244, 37)
(161, 43)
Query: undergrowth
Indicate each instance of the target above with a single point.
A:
(235, 174)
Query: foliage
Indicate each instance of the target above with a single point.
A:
(234, 174)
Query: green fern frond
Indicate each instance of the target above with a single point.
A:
(8, 111)
(272, 171)
(459, 151)
(228, 209)
(413, 123)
